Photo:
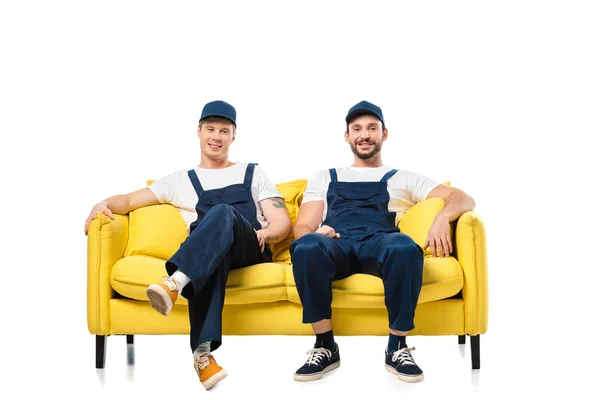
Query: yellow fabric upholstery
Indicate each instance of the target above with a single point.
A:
(418, 219)
(472, 255)
(156, 231)
(127, 254)
(292, 196)
(107, 240)
(262, 283)
(444, 317)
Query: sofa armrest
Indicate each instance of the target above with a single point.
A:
(106, 243)
(472, 255)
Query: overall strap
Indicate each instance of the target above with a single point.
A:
(195, 182)
(388, 175)
(248, 176)
(333, 174)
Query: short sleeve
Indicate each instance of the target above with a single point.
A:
(420, 186)
(164, 188)
(316, 187)
(266, 188)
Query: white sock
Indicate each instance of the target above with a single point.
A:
(181, 278)
(202, 348)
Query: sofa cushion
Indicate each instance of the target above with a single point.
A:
(292, 193)
(155, 231)
(442, 278)
(417, 221)
(261, 283)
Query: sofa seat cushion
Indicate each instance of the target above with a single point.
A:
(261, 283)
(442, 278)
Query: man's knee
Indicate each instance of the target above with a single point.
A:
(403, 244)
(306, 252)
(307, 244)
(402, 247)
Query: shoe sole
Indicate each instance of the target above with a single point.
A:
(403, 377)
(213, 380)
(159, 300)
(318, 375)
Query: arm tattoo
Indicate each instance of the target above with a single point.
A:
(277, 202)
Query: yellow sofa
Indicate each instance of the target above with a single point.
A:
(127, 254)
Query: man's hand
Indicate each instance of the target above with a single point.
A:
(98, 208)
(328, 231)
(261, 240)
(438, 237)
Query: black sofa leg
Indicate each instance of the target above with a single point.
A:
(129, 339)
(461, 339)
(475, 352)
(100, 351)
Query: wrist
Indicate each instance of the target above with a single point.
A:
(444, 215)
(269, 237)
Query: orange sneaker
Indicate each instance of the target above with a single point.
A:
(209, 372)
(163, 295)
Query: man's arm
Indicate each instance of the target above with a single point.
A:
(457, 203)
(309, 218)
(122, 204)
(278, 218)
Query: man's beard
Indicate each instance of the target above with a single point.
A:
(365, 156)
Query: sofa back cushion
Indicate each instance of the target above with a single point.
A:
(159, 230)
(417, 221)
(156, 231)
(292, 195)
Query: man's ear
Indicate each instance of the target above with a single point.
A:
(199, 129)
(233, 137)
(385, 134)
(347, 137)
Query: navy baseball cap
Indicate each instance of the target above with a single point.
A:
(364, 107)
(219, 108)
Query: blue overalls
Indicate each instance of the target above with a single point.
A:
(221, 239)
(369, 243)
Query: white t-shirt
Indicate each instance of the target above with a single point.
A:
(177, 188)
(405, 188)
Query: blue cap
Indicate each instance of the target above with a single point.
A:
(364, 107)
(219, 109)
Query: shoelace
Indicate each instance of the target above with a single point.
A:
(171, 283)
(316, 355)
(202, 361)
(404, 355)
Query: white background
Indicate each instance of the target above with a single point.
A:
(502, 99)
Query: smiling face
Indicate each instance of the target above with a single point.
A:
(366, 135)
(216, 135)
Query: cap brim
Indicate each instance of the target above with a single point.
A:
(220, 116)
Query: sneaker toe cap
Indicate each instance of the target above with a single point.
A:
(409, 370)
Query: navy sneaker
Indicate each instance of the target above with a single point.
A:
(402, 364)
(319, 362)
